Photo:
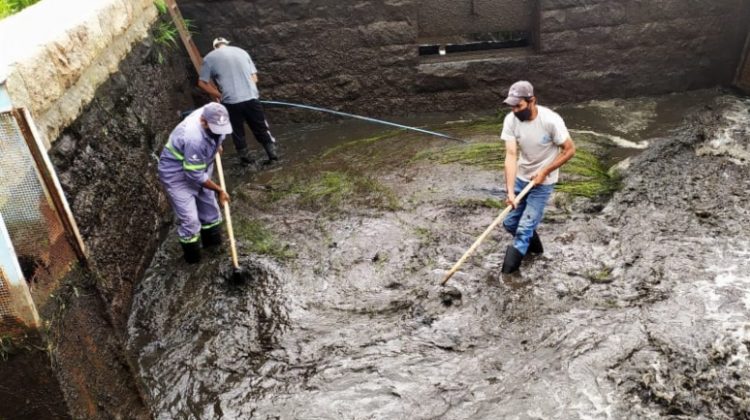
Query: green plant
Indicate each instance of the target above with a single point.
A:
(165, 32)
(161, 6)
(9, 7)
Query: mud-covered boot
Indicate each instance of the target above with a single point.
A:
(211, 237)
(245, 158)
(270, 149)
(535, 245)
(191, 252)
(512, 260)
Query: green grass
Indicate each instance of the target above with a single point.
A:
(9, 7)
(333, 190)
(261, 241)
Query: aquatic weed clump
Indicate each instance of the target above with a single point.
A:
(258, 239)
(583, 176)
(586, 176)
(333, 190)
(355, 145)
(485, 155)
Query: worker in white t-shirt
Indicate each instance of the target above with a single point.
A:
(537, 143)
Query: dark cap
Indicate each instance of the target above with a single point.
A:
(217, 118)
(518, 91)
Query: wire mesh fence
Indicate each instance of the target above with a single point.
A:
(35, 229)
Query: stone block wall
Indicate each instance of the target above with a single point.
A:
(55, 72)
(363, 56)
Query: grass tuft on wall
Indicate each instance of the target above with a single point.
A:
(9, 7)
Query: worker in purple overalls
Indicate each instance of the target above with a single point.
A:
(185, 168)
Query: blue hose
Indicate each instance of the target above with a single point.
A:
(360, 117)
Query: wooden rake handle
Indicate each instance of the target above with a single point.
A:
(499, 219)
(227, 214)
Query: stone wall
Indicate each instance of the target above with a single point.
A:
(54, 72)
(445, 18)
(362, 56)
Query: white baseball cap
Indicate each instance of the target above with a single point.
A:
(220, 41)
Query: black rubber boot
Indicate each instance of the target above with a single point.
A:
(512, 260)
(191, 252)
(211, 237)
(535, 244)
(270, 149)
(245, 157)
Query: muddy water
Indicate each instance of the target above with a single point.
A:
(639, 310)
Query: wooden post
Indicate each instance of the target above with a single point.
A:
(187, 40)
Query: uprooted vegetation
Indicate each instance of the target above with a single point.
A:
(329, 191)
(585, 175)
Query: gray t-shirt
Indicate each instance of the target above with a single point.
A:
(231, 69)
(538, 141)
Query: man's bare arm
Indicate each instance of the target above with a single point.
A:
(511, 166)
(211, 89)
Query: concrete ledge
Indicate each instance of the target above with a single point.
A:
(54, 72)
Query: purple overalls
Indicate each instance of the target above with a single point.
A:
(186, 162)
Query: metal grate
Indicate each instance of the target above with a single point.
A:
(36, 231)
(23, 195)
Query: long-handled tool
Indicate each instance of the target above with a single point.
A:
(486, 233)
(236, 275)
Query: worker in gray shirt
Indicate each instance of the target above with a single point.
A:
(233, 71)
(537, 144)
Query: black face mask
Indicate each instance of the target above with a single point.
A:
(523, 115)
(214, 137)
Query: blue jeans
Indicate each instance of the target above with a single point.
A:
(523, 220)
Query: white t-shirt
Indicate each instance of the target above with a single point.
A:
(538, 141)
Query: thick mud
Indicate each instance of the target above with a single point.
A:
(639, 307)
